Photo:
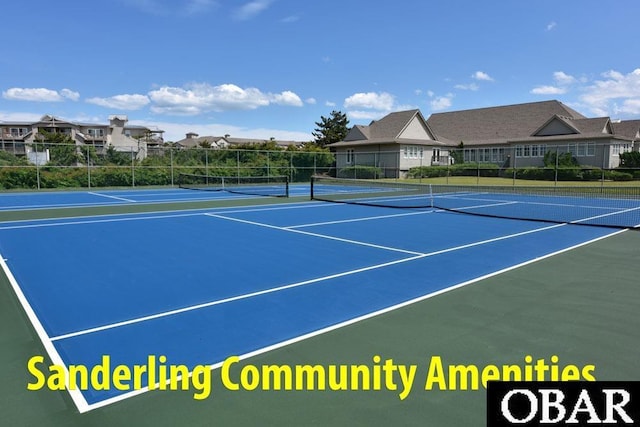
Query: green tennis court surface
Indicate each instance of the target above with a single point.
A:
(579, 305)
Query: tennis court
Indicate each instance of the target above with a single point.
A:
(256, 281)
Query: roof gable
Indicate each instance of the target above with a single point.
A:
(417, 128)
(556, 125)
(357, 133)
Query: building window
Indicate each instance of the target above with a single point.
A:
(530, 150)
(18, 131)
(350, 156)
(412, 152)
(469, 155)
(96, 132)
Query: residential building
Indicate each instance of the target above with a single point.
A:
(193, 140)
(510, 136)
(21, 138)
(397, 142)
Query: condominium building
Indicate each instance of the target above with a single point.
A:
(21, 138)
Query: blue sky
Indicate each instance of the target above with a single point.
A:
(271, 68)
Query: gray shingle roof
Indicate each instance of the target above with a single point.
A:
(497, 123)
(391, 125)
(387, 130)
(627, 128)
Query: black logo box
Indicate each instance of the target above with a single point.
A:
(520, 403)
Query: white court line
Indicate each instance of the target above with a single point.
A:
(346, 323)
(296, 285)
(604, 215)
(47, 342)
(484, 206)
(112, 197)
(100, 221)
(322, 236)
(369, 218)
(73, 220)
(529, 202)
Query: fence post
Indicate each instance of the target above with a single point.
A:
(515, 170)
(291, 166)
(88, 169)
(133, 168)
(37, 166)
(555, 179)
(206, 162)
(171, 163)
(604, 147)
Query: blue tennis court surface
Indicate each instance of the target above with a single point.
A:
(200, 286)
(98, 197)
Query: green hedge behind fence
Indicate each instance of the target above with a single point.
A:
(527, 173)
(163, 168)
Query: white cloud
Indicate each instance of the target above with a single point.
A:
(36, 94)
(311, 101)
(440, 103)
(121, 102)
(366, 115)
(177, 131)
(548, 90)
(372, 105)
(70, 94)
(616, 93)
(198, 98)
(551, 25)
(252, 9)
(563, 78)
(563, 82)
(481, 75)
(12, 116)
(371, 100)
(330, 104)
(473, 87)
(286, 98)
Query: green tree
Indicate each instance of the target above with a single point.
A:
(62, 149)
(331, 129)
(630, 159)
(563, 160)
(114, 157)
(458, 154)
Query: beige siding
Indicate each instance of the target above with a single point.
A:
(415, 130)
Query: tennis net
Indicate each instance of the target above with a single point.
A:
(607, 206)
(272, 186)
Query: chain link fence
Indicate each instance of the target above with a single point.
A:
(40, 166)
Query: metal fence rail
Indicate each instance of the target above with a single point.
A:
(87, 166)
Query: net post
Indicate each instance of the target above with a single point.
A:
(286, 186)
(312, 182)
